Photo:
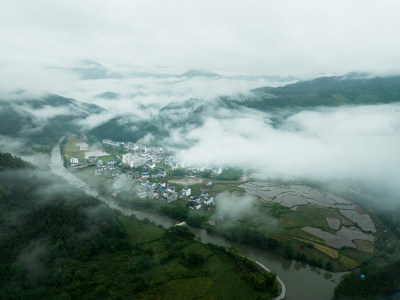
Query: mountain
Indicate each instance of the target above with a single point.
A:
(128, 128)
(41, 121)
(199, 73)
(351, 89)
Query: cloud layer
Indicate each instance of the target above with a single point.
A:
(239, 37)
(338, 143)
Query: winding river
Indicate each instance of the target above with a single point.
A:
(301, 280)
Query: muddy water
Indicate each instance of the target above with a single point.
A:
(302, 281)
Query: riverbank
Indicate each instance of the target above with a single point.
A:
(301, 280)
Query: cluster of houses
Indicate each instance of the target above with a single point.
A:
(138, 160)
(156, 153)
(109, 168)
(140, 155)
(197, 202)
(160, 191)
(113, 144)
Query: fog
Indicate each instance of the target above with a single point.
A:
(133, 59)
(345, 143)
(252, 37)
(234, 205)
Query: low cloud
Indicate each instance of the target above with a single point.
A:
(343, 143)
(234, 205)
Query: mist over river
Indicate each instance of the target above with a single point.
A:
(301, 280)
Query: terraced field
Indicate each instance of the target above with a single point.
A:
(325, 220)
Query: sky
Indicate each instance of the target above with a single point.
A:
(340, 143)
(254, 37)
(82, 49)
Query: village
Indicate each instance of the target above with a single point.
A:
(148, 168)
(150, 177)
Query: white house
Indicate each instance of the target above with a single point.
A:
(171, 197)
(186, 191)
(74, 160)
(133, 160)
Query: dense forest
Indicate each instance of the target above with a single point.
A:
(122, 130)
(58, 243)
(23, 119)
(370, 282)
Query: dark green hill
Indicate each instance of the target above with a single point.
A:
(9, 161)
(128, 129)
(58, 243)
(352, 89)
(28, 120)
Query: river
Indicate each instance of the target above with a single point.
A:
(302, 281)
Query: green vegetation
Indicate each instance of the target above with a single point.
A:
(66, 245)
(41, 135)
(9, 161)
(231, 174)
(329, 91)
(378, 282)
(116, 130)
(69, 149)
(178, 172)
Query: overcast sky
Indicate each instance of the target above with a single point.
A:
(228, 37)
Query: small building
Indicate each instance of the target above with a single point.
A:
(74, 160)
(91, 160)
(98, 171)
(211, 222)
(82, 146)
(110, 165)
(186, 191)
(210, 201)
(171, 197)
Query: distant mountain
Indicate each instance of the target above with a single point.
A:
(43, 120)
(199, 73)
(108, 95)
(351, 89)
(128, 128)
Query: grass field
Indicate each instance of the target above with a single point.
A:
(308, 215)
(348, 262)
(324, 249)
(172, 278)
(141, 232)
(70, 149)
(155, 265)
(107, 158)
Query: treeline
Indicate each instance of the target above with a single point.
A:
(233, 231)
(115, 130)
(45, 227)
(252, 236)
(177, 210)
(231, 174)
(377, 282)
(260, 279)
(329, 91)
(9, 161)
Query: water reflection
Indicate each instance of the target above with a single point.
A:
(302, 281)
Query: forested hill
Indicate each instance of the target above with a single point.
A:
(58, 243)
(41, 121)
(352, 89)
(7, 160)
